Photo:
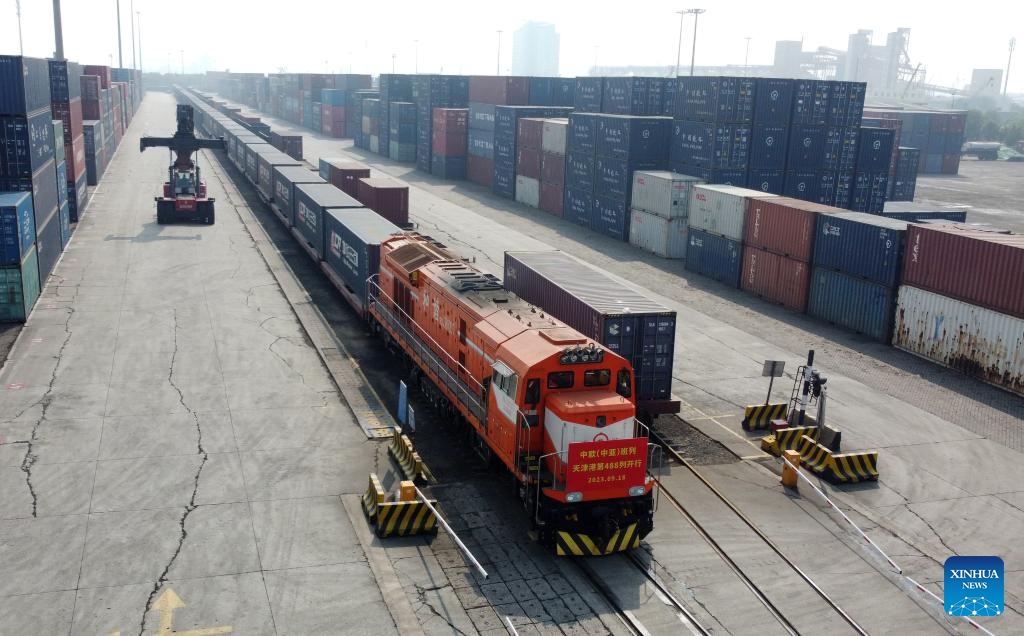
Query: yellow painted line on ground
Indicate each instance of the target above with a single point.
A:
(705, 416)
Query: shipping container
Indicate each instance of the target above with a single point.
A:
(810, 102)
(707, 145)
(579, 171)
(555, 135)
(530, 133)
(252, 163)
(628, 323)
(634, 138)
(451, 119)
(869, 192)
(976, 266)
(506, 90)
(721, 209)
(19, 288)
(528, 190)
(816, 186)
(784, 226)
(70, 115)
(862, 245)
(353, 248)
(266, 163)
(552, 168)
(773, 101)
(874, 149)
(552, 198)
(853, 303)
(915, 212)
(480, 170)
(48, 245)
(24, 85)
(578, 206)
(450, 143)
(767, 181)
(65, 83)
(768, 144)
(714, 256)
(582, 133)
(610, 216)
(17, 226)
(806, 147)
(386, 197)
(776, 278)
(714, 99)
(312, 200)
(588, 97)
(481, 143)
(64, 214)
(344, 174)
(614, 177)
(450, 168)
(666, 237)
(974, 340)
(663, 193)
(26, 143)
(481, 116)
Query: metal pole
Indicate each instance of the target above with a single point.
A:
(679, 45)
(131, 16)
(693, 52)
(138, 15)
(1013, 45)
(182, 61)
(806, 389)
(746, 58)
(58, 31)
(499, 53)
(455, 537)
(120, 63)
(771, 381)
(416, 57)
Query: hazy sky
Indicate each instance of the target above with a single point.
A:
(461, 36)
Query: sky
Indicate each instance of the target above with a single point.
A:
(462, 36)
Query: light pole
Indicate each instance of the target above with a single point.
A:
(182, 61)
(1013, 45)
(58, 31)
(131, 12)
(679, 46)
(393, 63)
(416, 57)
(499, 53)
(746, 57)
(138, 16)
(120, 60)
(693, 52)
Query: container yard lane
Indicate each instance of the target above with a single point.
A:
(172, 450)
(950, 447)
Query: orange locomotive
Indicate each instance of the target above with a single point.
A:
(553, 406)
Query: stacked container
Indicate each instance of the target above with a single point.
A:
(904, 182)
(431, 92)
(480, 159)
(449, 143)
(660, 212)
(630, 324)
(552, 91)
(712, 128)
(354, 115)
(962, 304)
(552, 165)
(581, 151)
(393, 88)
(285, 180)
(29, 164)
(857, 262)
(402, 132)
(386, 197)
(311, 203)
(66, 105)
(371, 124)
(344, 174)
(528, 161)
(19, 271)
(871, 181)
(717, 221)
(633, 95)
(353, 249)
(506, 127)
(332, 112)
(939, 135)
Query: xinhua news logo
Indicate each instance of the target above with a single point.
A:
(973, 586)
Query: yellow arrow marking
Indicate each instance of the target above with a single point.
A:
(165, 604)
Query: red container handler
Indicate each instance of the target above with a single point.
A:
(783, 225)
(776, 278)
(480, 170)
(491, 89)
(346, 177)
(386, 197)
(980, 267)
(552, 198)
(528, 162)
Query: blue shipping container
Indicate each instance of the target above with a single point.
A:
(716, 146)
(481, 116)
(24, 85)
(715, 257)
(353, 246)
(578, 206)
(48, 246)
(541, 91)
(504, 184)
(869, 191)
(580, 172)
(62, 183)
(874, 149)
(26, 143)
(481, 143)
(402, 112)
(65, 224)
(614, 177)
(846, 103)
(770, 181)
(806, 147)
(810, 102)
(610, 216)
(773, 101)
(65, 81)
(450, 168)
(582, 134)
(736, 178)
(625, 96)
(818, 186)
(862, 245)
(563, 91)
(17, 226)
(310, 204)
(589, 91)
(19, 288)
(504, 150)
(840, 149)
(768, 144)
(853, 303)
(643, 139)
(404, 133)
(714, 99)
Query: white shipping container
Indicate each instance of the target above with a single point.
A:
(654, 233)
(721, 209)
(528, 191)
(554, 136)
(977, 341)
(374, 143)
(663, 193)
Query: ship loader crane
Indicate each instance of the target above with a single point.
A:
(184, 196)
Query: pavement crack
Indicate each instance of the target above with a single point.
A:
(932, 528)
(421, 596)
(191, 506)
(30, 458)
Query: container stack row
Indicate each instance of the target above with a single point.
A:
(449, 138)
(66, 106)
(430, 94)
(938, 135)
(660, 212)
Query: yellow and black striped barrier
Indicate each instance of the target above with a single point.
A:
(373, 498)
(408, 459)
(786, 439)
(758, 416)
(842, 468)
(579, 544)
(403, 516)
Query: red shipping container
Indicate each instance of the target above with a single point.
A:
(528, 162)
(480, 170)
(74, 155)
(531, 129)
(451, 119)
(976, 266)
(552, 168)
(950, 164)
(386, 197)
(346, 176)
(776, 278)
(783, 225)
(102, 72)
(326, 128)
(552, 198)
(90, 85)
(491, 89)
(91, 110)
(71, 115)
(957, 122)
(450, 144)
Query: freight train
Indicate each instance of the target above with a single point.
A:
(554, 407)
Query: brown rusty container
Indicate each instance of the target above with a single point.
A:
(776, 278)
(386, 197)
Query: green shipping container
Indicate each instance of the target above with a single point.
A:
(19, 288)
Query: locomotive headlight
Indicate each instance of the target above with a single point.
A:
(636, 491)
(574, 497)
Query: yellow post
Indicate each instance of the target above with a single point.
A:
(789, 476)
(407, 491)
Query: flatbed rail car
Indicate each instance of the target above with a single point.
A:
(555, 408)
